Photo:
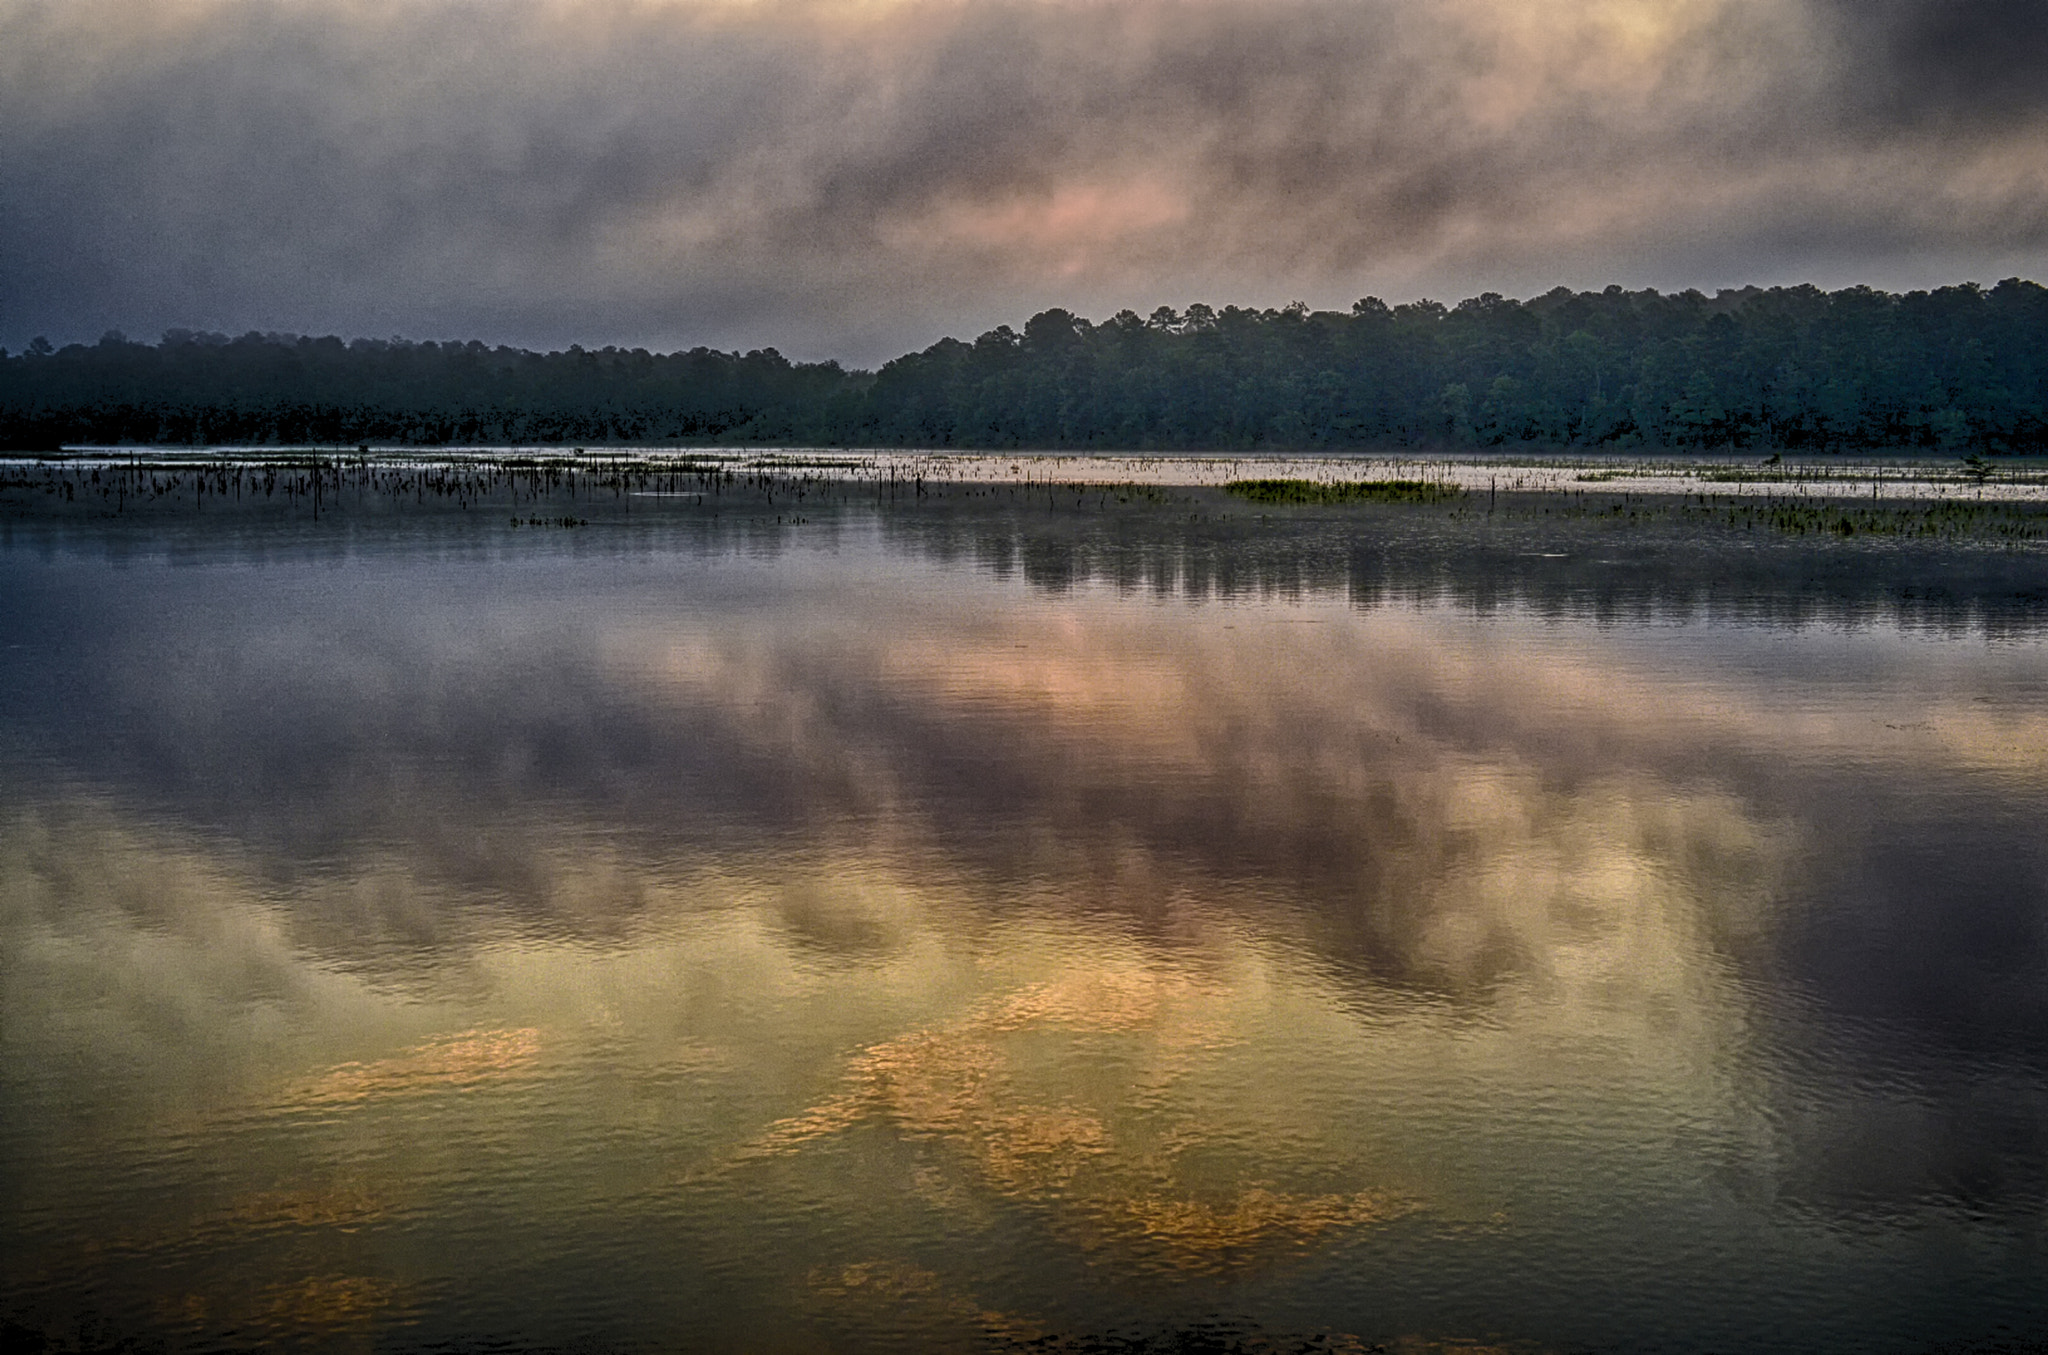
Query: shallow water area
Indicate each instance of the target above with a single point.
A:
(899, 920)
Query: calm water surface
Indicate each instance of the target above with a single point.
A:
(905, 933)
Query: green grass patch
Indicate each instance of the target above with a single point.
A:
(1755, 477)
(1343, 491)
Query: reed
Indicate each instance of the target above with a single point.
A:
(1342, 491)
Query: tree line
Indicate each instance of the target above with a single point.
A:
(1960, 369)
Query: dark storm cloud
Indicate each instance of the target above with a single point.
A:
(856, 177)
(1964, 60)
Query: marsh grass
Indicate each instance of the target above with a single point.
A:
(1342, 491)
(594, 490)
(1738, 476)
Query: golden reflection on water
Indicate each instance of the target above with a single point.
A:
(885, 1291)
(1142, 1099)
(469, 1059)
(321, 1307)
(959, 1085)
(291, 1290)
(1256, 945)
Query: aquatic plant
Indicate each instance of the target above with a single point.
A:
(1342, 491)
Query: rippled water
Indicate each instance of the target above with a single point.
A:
(941, 929)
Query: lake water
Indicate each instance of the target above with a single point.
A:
(975, 926)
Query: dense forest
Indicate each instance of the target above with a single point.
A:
(1960, 369)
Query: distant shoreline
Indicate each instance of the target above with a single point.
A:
(1906, 476)
(1856, 372)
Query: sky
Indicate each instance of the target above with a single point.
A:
(853, 179)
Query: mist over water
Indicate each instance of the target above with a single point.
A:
(951, 927)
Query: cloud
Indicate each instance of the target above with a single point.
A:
(856, 176)
(1972, 62)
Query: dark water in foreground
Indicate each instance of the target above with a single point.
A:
(954, 929)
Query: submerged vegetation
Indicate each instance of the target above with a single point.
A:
(1342, 491)
(1960, 370)
(600, 488)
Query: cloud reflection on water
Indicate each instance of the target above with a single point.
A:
(1206, 937)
